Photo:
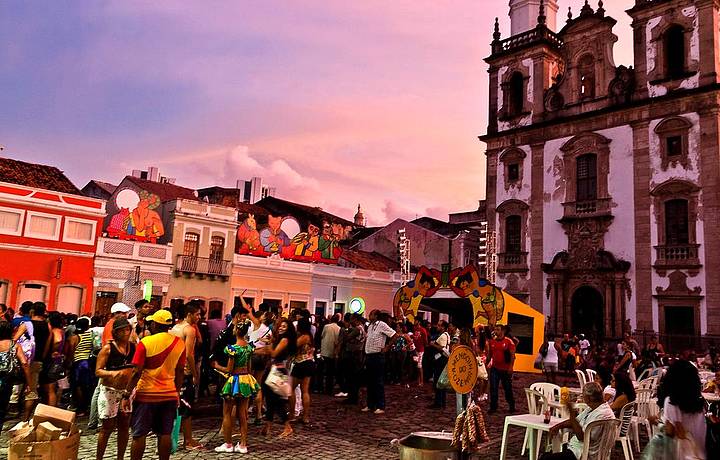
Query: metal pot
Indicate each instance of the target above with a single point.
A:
(426, 445)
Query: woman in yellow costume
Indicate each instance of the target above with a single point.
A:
(239, 387)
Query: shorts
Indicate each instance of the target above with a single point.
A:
(259, 362)
(550, 367)
(303, 369)
(158, 417)
(81, 372)
(187, 396)
(35, 370)
(418, 358)
(109, 400)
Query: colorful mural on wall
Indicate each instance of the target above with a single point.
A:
(486, 299)
(282, 236)
(137, 219)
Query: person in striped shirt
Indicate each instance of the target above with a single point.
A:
(158, 375)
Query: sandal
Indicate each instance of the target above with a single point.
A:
(286, 434)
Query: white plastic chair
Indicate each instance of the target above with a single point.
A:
(550, 391)
(581, 377)
(626, 414)
(599, 439)
(537, 405)
(644, 409)
(591, 375)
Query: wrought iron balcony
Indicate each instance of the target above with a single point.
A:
(512, 262)
(203, 266)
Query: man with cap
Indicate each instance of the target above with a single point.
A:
(114, 370)
(159, 362)
(118, 310)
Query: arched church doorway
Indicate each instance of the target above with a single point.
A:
(588, 313)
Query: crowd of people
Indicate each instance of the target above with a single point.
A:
(141, 369)
(687, 420)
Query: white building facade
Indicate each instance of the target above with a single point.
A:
(603, 186)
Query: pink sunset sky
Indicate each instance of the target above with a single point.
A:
(334, 103)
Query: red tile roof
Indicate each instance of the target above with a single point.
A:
(165, 191)
(36, 176)
(106, 186)
(369, 260)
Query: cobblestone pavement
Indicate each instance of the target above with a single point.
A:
(341, 432)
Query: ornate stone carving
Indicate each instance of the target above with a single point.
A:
(622, 86)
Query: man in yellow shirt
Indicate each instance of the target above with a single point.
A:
(158, 375)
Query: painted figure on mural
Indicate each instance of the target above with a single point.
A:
(407, 299)
(328, 242)
(272, 237)
(307, 243)
(136, 218)
(248, 236)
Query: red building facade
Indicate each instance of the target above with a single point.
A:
(48, 238)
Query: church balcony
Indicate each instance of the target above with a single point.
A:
(588, 208)
(510, 262)
(677, 256)
(530, 37)
(203, 266)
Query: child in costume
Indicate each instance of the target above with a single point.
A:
(239, 386)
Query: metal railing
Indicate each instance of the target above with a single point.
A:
(203, 265)
(587, 207)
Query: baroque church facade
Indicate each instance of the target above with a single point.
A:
(603, 181)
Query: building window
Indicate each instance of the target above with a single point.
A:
(512, 161)
(70, 299)
(339, 307)
(676, 222)
(79, 231)
(43, 226)
(673, 146)
(674, 42)
(320, 308)
(513, 172)
(217, 247)
(517, 94)
(192, 244)
(11, 221)
(676, 205)
(513, 232)
(586, 76)
(586, 177)
(673, 136)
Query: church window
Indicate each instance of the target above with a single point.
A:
(673, 136)
(586, 73)
(674, 42)
(676, 222)
(513, 172)
(517, 93)
(586, 177)
(513, 231)
(673, 146)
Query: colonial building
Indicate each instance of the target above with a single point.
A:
(603, 181)
(48, 237)
(160, 237)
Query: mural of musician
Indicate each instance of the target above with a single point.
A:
(137, 219)
(407, 299)
(281, 236)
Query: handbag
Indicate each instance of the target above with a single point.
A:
(538, 364)
(10, 367)
(443, 382)
(279, 382)
(482, 370)
(56, 371)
